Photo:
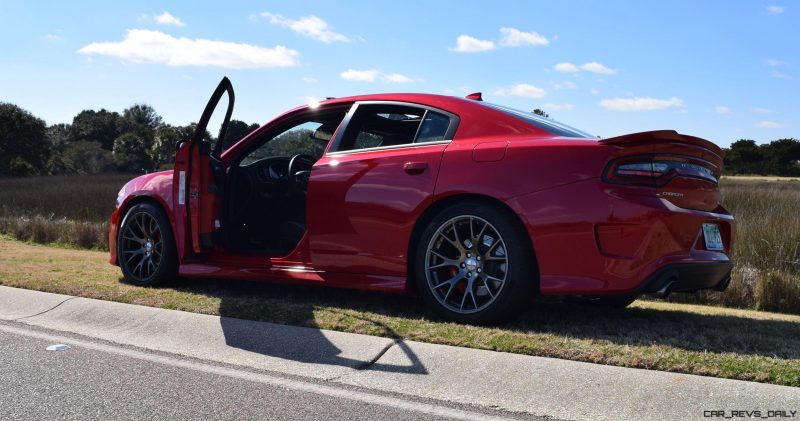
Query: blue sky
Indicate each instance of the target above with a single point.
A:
(722, 70)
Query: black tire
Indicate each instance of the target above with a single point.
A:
(520, 272)
(146, 251)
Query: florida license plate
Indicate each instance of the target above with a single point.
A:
(713, 237)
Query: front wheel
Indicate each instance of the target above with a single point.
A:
(474, 264)
(145, 246)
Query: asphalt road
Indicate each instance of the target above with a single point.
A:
(98, 380)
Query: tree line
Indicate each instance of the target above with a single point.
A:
(135, 141)
(780, 157)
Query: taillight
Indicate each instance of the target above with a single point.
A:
(658, 170)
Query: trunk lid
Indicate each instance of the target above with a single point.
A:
(683, 169)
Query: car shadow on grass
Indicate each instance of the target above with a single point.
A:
(373, 313)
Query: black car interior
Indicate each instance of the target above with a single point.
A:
(267, 186)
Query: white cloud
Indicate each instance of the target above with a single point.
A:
(594, 91)
(566, 67)
(592, 66)
(398, 78)
(372, 75)
(359, 75)
(146, 46)
(307, 79)
(596, 67)
(640, 104)
(308, 26)
(468, 44)
(779, 75)
(53, 37)
(513, 37)
(760, 110)
(769, 125)
(772, 62)
(166, 18)
(721, 109)
(523, 90)
(774, 10)
(564, 85)
(558, 107)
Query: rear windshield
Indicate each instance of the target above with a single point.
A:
(552, 126)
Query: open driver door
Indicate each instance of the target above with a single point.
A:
(200, 175)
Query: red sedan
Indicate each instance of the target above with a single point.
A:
(473, 206)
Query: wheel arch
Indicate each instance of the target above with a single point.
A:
(444, 202)
(139, 198)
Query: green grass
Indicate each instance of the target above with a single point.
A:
(713, 341)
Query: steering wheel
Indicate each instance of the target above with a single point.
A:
(294, 175)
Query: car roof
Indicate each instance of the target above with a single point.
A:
(476, 119)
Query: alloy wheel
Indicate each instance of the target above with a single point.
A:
(142, 246)
(466, 264)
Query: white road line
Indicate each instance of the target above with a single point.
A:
(408, 405)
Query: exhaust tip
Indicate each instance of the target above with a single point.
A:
(666, 290)
(723, 284)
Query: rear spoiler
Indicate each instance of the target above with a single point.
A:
(663, 136)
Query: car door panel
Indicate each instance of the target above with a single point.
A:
(199, 173)
(363, 205)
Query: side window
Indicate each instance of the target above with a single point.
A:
(309, 137)
(434, 127)
(380, 125)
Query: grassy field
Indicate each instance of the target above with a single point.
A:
(69, 210)
(73, 210)
(684, 338)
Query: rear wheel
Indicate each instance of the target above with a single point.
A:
(474, 264)
(145, 246)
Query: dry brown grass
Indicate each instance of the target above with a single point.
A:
(69, 210)
(703, 340)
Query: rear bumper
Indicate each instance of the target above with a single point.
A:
(596, 239)
(687, 278)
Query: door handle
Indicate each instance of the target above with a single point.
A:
(415, 167)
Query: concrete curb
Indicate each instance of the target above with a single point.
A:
(536, 385)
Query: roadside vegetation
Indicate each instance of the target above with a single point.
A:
(711, 341)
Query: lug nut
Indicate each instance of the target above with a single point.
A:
(463, 265)
(478, 257)
(469, 255)
(479, 270)
(469, 274)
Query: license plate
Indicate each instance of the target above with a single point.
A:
(713, 237)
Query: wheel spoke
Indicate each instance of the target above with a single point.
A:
(474, 302)
(477, 238)
(492, 278)
(446, 263)
(138, 267)
(488, 288)
(133, 238)
(141, 225)
(458, 240)
(451, 241)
